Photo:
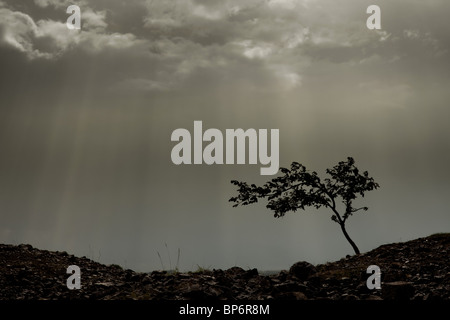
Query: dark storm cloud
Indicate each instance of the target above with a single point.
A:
(174, 40)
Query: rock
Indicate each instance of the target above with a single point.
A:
(105, 284)
(218, 273)
(290, 286)
(146, 280)
(433, 296)
(235, 271)
(251, 273)
(300, 296)
(314, 280)
(194, 292)
(138, 277)
(398, 290)
(158, 274)
(292, 296)
(25, 246)
(214, 292)
(349, 297)
(372, 297)
(302, 270)
(282, 276)
(362, 289)
(28, 273)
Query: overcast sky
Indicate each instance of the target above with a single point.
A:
(86, 118)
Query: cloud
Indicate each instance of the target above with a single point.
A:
(253, 51)
(57, 3)
(426, 40)
(18, 30)
(190, 39)
(227, 35)
(287, 4)
(50, 39)
(94, 20)
(185, 43)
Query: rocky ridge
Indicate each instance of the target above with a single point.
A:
(413, 270)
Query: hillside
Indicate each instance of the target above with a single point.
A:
(413, 270)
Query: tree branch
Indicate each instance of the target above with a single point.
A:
(362, 208)
(338, 216)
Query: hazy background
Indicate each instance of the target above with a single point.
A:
(86, 118)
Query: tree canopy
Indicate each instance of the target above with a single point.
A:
(299, 188)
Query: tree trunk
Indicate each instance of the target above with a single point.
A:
(349, 239)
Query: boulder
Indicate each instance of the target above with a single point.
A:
(235, 272)
(302, 270)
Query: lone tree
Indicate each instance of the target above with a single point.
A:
(299, 188)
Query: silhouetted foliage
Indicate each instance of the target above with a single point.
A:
(299, 188)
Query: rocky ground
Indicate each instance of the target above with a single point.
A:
(413, 270)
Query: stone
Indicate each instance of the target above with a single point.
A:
(235, 271)
(33, 274)
(302, 270)
(372, 297)
(292, 296)
(398, 290)
(349, 297)
(252, 273)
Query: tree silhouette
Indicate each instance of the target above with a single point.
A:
(299, 188)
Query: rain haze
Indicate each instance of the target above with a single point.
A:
(86, 118)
